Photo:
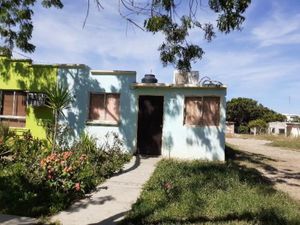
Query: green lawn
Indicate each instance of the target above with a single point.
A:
(197, 192)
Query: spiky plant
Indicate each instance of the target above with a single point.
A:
(59, 98)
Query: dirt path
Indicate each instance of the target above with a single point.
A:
(281, 166)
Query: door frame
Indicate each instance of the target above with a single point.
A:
(137, 119)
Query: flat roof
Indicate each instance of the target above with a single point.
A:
(113, 72)
(163, 85)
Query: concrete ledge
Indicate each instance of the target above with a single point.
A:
(112, 72)
(163, 85)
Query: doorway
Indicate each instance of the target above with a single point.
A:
(150, 123)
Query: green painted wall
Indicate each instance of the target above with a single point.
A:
(25, 76)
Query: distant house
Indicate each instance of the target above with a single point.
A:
(284, 128)
(172, 120)
(292, 117)
(229, 127)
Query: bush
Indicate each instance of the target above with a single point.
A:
(37, 182)
(67, 172)
(259, 124)
(242, 129)
(5, 138)
(107, 158)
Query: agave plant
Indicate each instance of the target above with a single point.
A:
(59, 98)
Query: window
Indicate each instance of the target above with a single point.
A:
(202, 111)
(104, 108)
(13, 108)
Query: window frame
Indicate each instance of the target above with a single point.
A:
(13, 117)
(103, 121)
(201, 124)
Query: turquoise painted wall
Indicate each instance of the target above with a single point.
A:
(184, 141)
(23, 75)
(81, 81)
(178, 140)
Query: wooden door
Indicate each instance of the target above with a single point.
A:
(150, 121)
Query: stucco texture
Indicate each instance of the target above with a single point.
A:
(24, 76)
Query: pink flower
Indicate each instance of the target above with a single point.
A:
(77, 186)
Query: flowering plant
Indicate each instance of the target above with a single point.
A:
(63, 171)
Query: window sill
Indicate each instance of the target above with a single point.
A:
(102, 123)
(8, 117)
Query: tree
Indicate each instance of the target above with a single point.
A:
(243, 110)
(59, 98)
(16, 23)
(173, 18)
(259, 125)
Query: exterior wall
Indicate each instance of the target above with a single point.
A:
(81, 81)
(178, 140)
(295, 131)
(184, 141)
(229, 128)
(24, 76)
(275, 127)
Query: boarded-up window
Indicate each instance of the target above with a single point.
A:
(13, 108)
(104, 107)
(202, 111)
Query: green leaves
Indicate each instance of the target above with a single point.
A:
(16, 23)
(59, 98)
(175, 20)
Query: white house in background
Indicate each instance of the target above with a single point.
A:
(173, 120)
(292, 117)
(284, 128)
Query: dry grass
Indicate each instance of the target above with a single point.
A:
(276, 140)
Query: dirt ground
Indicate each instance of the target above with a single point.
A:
(281, 166)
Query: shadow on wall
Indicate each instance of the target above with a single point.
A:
(22, 75)
(128, 113)
(79, 83)
(208, 139)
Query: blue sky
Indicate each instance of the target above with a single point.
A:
(261, 62)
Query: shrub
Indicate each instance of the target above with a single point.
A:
(259, 124)
(5, 138)
(242, 129)
(68, 172)
(106, 159)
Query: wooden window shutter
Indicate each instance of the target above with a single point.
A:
(97, 108)
(20, 104)
(193, 110)
(8, 100)
(211, 111)
(112, 107)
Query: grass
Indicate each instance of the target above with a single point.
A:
(197, 192)
(276, 140)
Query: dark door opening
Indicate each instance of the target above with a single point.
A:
(150, 120)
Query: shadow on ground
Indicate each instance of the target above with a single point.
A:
(259, 161)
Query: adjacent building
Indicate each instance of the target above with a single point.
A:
(172, 120)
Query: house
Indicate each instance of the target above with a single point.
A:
(184, 121)
(229, 127)
(173, 120)
(21, 83)
(289, 129)
(292, 117)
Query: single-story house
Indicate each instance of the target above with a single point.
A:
(21, 84)
(229, 127)
(290, 129)
(172, 120)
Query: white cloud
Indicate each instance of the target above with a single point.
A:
(280, 29)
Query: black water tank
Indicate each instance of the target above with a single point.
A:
(149, 78)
